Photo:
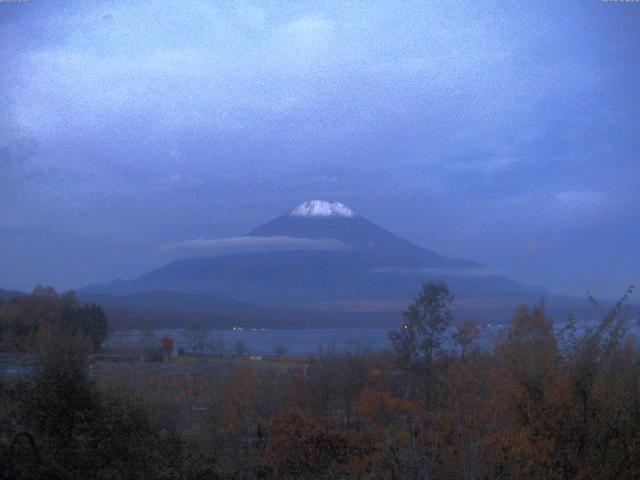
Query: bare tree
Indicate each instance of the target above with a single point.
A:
(425, 322)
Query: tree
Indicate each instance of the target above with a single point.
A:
(84, 433)
(148, 337)
(166, 343)
(62, 397)
(3, 320)
(92, 322)
(40, 291)
(280, 350)
(392, 428)
(529, 350)
(425, 322)
(29, 319)
(240, 349)
(465, 335)
(303, 447)
(216, 344)
(196, 337)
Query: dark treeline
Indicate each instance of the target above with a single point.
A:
(26, 321)
(537, 405)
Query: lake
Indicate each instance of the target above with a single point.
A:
(298, 342)
(264, 341)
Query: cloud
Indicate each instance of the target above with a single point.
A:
(250, 244)
(122, 87)
(192, 67)
(485, 164)
(445, 272)
(175, 178)
(581, 201)
(226, 69)
(17, 150)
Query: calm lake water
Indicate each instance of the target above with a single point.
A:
(266, 341)
(295, 341)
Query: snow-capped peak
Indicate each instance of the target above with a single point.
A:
(322, 208)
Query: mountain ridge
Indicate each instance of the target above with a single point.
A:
(375, 264)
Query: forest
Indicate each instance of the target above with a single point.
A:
(538, 403)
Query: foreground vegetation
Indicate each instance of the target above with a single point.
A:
(537, 404)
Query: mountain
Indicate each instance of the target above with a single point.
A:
(8, 295)
(321, 256)
(375, 246)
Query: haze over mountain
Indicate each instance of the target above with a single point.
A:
(319, 256)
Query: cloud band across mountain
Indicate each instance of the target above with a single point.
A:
(476, 272)
(246, 244)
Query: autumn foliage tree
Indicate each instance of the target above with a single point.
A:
(536, 402)
(466, 334)
(26, 321)
(166, 343)
(303, 447)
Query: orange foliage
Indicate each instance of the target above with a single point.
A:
(302, 447)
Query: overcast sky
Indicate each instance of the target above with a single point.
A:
(503, 132)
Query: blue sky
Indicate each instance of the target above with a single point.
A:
(503, 132)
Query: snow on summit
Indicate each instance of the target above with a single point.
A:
(322, 208)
